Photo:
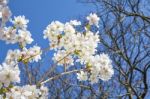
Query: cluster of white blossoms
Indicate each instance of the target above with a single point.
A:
(72, 46)
(9, 74)
(31, 54)
(27, 92)
(100, 67)
(17, 33)
(9, 69)
(25, 55)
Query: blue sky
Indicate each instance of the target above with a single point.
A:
(41, 13)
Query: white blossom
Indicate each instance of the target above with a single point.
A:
(53, 33)
(35, 53)
(82, 76)
(101, 67)
(20, 22)
(9, 74)
(53, 30)
(106, 73)
(63, 58)
(31, 54)
(93, 19)
(8, 34)
(24, 37)
(12, 56)
(68, 28)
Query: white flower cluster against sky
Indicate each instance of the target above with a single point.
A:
(68, 43)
